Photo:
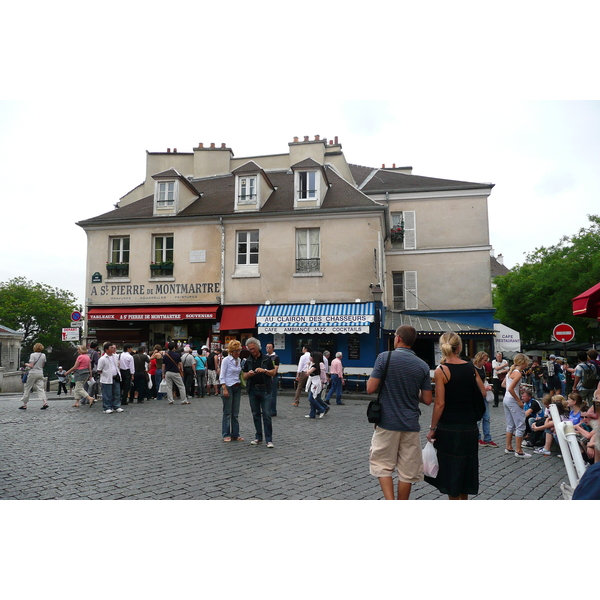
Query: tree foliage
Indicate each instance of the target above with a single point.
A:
(536, 296)
(37, 310)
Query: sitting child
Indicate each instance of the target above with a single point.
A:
(537, 436)
(548, 426)
(574, 402)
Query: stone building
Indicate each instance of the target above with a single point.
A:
(295, 248)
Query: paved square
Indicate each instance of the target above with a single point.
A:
(156, 451)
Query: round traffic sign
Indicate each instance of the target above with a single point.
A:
(563, 333)
(75, 316)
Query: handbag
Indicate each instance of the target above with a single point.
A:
(24, 377)
(374, 408)
(430, 461)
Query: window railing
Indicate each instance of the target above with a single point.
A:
(117, 269)
(247, 199)
(162, 269)
(307, 194)
(308, 265)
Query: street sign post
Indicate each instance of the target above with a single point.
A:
(563, 333)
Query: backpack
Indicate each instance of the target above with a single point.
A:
(589, 381)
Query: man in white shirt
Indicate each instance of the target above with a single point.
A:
(127, 369)
(110, 378)
(301, 374)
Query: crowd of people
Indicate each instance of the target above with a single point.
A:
(460, 422)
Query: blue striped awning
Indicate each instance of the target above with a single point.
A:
(315, 318)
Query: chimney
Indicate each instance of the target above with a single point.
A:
(175, 150)
(500, 259)
(168, 150)
(223, 146)
(317, 138)
(336, 139)
(296, 139)
(200, 145)
(383, 166)
(212, 144)
(306, 138)
(393, 165)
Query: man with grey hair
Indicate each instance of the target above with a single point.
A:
(258, 372)
(396, 444)
(336, 372)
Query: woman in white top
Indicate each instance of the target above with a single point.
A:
(231, 392)
(499, 370)
(513, 408)
(35, 376)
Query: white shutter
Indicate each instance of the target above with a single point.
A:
(410, 290)
(410, 236)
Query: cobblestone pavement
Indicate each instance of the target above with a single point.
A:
(157, 451)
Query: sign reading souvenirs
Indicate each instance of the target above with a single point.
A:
(99, 294)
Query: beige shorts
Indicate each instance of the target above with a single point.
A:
(396, 451)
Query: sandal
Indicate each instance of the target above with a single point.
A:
(226, 439)
(239, 439)
(295, 404)
(76, 405)
(91, 402)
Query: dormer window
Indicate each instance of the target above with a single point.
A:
(308, 185)
(247, 190)
(166, 194)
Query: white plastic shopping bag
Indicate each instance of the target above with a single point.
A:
(430, 461)
(162, 388)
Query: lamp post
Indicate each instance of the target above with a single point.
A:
(377, 294)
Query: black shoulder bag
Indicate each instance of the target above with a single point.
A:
(374, 408)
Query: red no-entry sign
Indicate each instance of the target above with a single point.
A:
(563, 333)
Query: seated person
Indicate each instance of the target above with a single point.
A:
(589, 485)
(585, 434)
(574, 402)
(533, 410)
(537, 436)
(548, 427)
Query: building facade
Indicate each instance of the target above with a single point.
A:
(287, 247)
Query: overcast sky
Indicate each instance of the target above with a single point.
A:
(452, 92)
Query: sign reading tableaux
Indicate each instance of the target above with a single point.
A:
(197, 256)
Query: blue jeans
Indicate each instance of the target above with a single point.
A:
(157, 380)
(260, 405)
(230, 426)
(538, 385)
(274, 385)
(316, 405)
(336, 386)
(485, 424)
(111, 395)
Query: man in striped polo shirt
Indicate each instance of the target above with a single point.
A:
(396, 442)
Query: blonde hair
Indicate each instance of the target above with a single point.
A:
(480, 356)
(561, 399)
(450, 343)
(519, 360)
(82, 349)
(38, 347)
(234, 346)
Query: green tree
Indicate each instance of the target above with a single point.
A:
(36, 309)
(536, 296)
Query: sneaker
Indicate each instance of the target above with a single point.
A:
(185, 402)
(255, 442)
(119, 409)
(527, 444)
(522, 455)
(308, 417)
(270, 445)
(507, 451)
(543, 451)
(482, 443)
(492, 444)
(107, 412)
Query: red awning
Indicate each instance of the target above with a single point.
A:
(588, 303)
(238, 317)
(158, 313)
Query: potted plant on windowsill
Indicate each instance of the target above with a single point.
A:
(117, 269)
(161, 266)
(397, 233)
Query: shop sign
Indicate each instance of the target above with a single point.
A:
(162, 292)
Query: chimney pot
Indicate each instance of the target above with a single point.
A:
(393, 165)
(383, 166)
(330, 142)
(336, 139)
(317, 138)
(223, 146)
(175, 150)
(295, 138)
(212, 144)
(168, 150)
(200, 145)
(306, 138)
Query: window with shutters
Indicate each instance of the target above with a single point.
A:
(402, 234)
(404, 289)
